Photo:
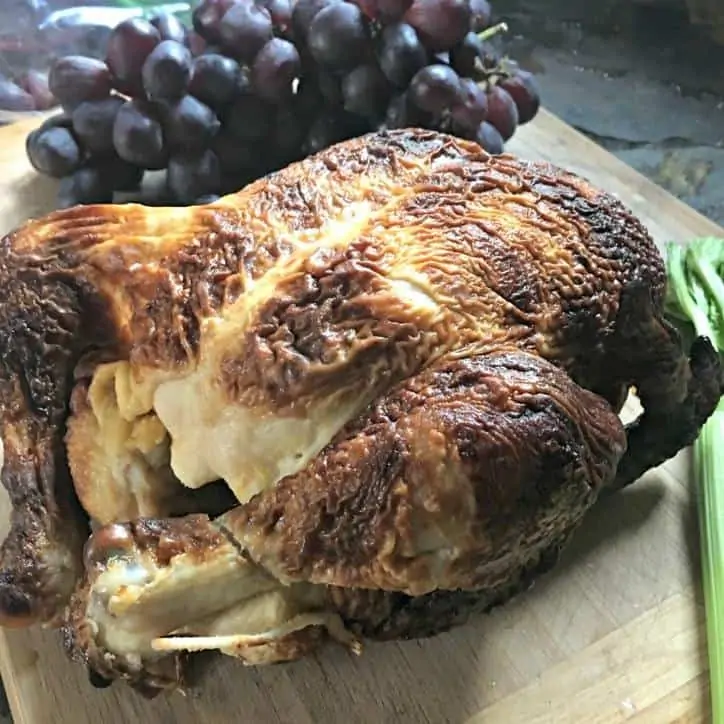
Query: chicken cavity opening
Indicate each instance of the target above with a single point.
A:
(155, 446)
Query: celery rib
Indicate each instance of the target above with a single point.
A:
(696, 294)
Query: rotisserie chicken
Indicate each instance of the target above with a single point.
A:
(363, 397)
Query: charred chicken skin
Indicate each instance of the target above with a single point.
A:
(363, 397)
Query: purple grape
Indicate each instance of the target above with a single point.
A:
(523, 88)
(244, 29)
(489, 138)
(303, 12)
(481, 15)
(58, 120)
(93, 123)
(236, 156)
(88, 185)
(464, 55)
(14, 98)
(167, 71)
(281, 15)
(366, 92)
(206, 199)
(441, 24)
(386, 11)
(215, 80)
(190, 176)
(123, 176)
(275, 68)
(327, 129)
(502, 112)
(170, 28)
(53, 151)
(401, 113)
(309, 97)
(248, 118)
(138, 137)
(330, 88)
(190, 125)
(400, 54)
(436, 88)
(338, 37)
(129, 45)
(287, 135)
(472, 110)
(75, 78)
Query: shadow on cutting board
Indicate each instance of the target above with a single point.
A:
(607, 577)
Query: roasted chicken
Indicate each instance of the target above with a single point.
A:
(363, 397)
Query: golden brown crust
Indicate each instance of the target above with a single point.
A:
(448, 482)
(407, 258)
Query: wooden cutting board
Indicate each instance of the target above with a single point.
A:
(615, 633)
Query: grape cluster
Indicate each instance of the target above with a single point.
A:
(257, 84)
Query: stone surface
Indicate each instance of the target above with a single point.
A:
(637, 80)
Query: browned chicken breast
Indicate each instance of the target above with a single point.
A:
(363, 397)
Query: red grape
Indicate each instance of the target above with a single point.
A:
(366, 92)
(93, 123)
(244, 29)
(275, 67)
(502, 112)
(36, 83)
(75, 78)
(523, 88)
(436, 88)
(400, 53)
(197, 45)
(53, 151)
(138, 137)
(129, 45)
(215, 79)
(441, 24)
(167, 71)
(338, 36)
(481, 15)
(281, 15)
(473, 109)
(206, 18)
(170, 28)
(489, 138)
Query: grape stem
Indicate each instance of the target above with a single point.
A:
(493, 30)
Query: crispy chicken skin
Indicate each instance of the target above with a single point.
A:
(404, 358)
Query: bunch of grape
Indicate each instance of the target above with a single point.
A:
(257, 84)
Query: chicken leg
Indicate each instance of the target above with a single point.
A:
(459, 479)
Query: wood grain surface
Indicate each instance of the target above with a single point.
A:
(614, 634)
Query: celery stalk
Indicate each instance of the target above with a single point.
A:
(696, 295)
